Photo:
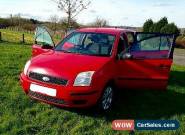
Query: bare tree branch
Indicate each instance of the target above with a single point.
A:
(72, 7)
(54, 20)
(99, 22)
(83, 7)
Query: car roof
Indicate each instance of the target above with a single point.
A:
(105, 30)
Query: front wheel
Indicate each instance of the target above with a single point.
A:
(106, 100)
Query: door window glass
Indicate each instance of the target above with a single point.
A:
(165, 43)
(152, 45)
(42, 36)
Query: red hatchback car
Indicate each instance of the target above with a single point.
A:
(88, 66)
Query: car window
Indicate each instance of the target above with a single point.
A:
(130, 37)
(43, 37)
(165, 43)
(122, 45)
(152, 45)
(99, 44)
(75, 39)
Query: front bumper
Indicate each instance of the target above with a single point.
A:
(67, 96)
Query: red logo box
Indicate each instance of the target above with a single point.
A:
(123, 125)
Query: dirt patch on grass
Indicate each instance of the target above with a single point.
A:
(179, 57)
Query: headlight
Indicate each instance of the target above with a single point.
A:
(26, 67)
(84, 78)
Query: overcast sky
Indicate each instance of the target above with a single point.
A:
(117, 12)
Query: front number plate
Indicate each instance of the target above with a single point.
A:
(43, 90)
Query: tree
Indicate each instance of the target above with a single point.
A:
(54, 20)
(72, 8)
(153, 28)
(18, 20)
(147, 25)
(161, 26)
(183, 32)
(64, 23)
(170, 29)
(33, 21)
(99, 22)
(4, 23)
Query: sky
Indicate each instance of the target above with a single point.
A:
(116, 12)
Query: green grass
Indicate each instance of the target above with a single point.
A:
(20, 115)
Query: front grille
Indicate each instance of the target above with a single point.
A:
(53, 80)
(46, 98)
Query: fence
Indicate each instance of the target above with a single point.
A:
(23, 37)
(16, 37)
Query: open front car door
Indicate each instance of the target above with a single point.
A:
(43, 41)
(149, 62)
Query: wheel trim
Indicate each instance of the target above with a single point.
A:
(107, 98)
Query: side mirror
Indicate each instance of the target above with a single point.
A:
(126, 56)
(47, 47)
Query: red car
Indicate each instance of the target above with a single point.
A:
(90, 64)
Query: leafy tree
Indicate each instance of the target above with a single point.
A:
(153, 28)
(33, 21)
(161, 26)
(170, 29)
(147, 25)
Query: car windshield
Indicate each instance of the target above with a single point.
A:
(98, 44)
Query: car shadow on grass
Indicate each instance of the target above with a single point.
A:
(142, 104)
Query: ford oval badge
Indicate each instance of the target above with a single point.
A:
(46, 79)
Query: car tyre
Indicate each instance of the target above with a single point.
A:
(106, 100)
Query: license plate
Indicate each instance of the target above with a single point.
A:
(43, 90)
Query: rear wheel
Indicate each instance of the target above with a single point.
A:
(107, 98)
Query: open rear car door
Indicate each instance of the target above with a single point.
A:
(43, 41)
(149, 62)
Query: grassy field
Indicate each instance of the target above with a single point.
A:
(16, 36)
(20, 115)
